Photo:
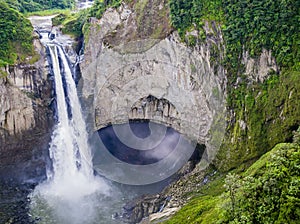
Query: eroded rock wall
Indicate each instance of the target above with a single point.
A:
(160, 79)
(25, 118)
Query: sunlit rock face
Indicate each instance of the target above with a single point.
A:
(160, 79)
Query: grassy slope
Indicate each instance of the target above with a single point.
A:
(26, 6)
(267, 193)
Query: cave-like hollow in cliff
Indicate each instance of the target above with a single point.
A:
(143, 152)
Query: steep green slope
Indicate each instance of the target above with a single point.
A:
(15, 35)
(267, 192)
(270, 111)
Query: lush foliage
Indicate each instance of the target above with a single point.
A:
(15, 35)
(271, 111)
(267, 192)
(256, 24)
(73, 23)
(39, 5)
(203, 208)
(248, 25)
(187, 15)
(100, 6)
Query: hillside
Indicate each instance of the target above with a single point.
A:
(38, 5)
(225, 74)
(16, 36)
(267, 192)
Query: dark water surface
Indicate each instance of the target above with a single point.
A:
(149, 155)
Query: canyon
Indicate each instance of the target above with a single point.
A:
(134, 67)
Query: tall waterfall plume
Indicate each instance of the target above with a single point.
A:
(69, 149)
(71, 185)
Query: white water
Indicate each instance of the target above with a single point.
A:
(85, 4)
(70, 190)
(70, 135)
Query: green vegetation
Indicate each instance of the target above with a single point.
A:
(15, 35)
(256, 24)
(187, 15)
(16, 31)
(47, 12)
(25, 6)
(267, 192)
(271, 111)
(72, 23)
(204, 206)
(100, 6)
(247, 25)
(202, 209)
(262, 114)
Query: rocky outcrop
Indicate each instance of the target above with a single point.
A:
(152, 108)
(148, 208)
(259, 69)
(25, 118)
(160, 79)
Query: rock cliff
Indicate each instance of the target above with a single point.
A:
(25, 118)
(141, 75)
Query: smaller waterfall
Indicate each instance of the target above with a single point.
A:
(70, 186)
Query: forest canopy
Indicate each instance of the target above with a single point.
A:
(15, 35)
(38, 5)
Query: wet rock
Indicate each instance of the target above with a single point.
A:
(135, 211)
(170, 199)
(14, 204)
(25, 118)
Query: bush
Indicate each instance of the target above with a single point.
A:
(15, 35)
(270, 194)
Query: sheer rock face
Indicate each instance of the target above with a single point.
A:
(259, 69)
(161, 79)
(25, 118)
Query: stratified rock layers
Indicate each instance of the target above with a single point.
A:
(25, 119)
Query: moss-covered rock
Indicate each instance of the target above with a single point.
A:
(265, 114)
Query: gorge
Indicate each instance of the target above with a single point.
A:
(150, 109)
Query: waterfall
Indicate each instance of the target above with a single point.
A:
(70, 191)
(69, 149)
